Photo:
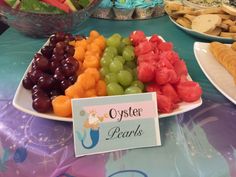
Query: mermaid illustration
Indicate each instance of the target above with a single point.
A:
(91, 123)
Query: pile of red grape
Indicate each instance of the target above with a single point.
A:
(53, 69)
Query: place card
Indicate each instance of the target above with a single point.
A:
(111, 123)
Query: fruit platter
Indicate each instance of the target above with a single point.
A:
(72, 67)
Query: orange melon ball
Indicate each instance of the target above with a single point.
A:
(62, 106)
(101, 88)
(91, 62)
(75, 91)
(81, 43)
(86, 80)
(79, 53)
(94, 34)
(94, 72)
(101, 42)
(90, 93)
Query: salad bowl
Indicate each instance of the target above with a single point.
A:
(43, 24)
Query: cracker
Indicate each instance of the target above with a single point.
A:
(233, 46)
(232, 29)
(184, 11)
(174, 6)
(229, 22)
(224, 16)
(228, 9)
(184, 22)
(171, 7)
(228, 34)
(215, 32)
(223, 26)
(189, 17)
(213, 10)
(205, 23)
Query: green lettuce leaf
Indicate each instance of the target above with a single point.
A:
(37, 6)
(10, 2)
(80, 4)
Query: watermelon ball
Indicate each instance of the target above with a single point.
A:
(146, 72)
(137, 36)
(165, 104)
(189, 91)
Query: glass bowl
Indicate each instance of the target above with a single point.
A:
(44, 24)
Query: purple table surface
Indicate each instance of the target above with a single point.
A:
(199, 143)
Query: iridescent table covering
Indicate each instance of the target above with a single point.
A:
(199, 143)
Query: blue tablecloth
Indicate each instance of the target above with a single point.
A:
(199, 143)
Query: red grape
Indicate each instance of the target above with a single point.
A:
(69, 50)
(35, 88)
(53, 40)
(27, 83)
(34, 66)
(46, 82)
(58, 51)
(42, 104)
(47, 51)
(60, 45)
(69, 37)
(72, 61)
(64, 84)
(69, 69)
(58, 74)
(39, 93)
(35, 75)
(54, 65)
(37, 55)
(54, 93)
(41, 63)
(60, 36)
(56, 57)
(73, 78)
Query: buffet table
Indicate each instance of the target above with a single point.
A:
(200, 142)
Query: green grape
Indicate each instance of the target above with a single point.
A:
(128, 54)
(108, 54)
(115, 66)
(105, 61)
(113, 41)
(127, 41)
(114, 89)
(130, 47)
(104, 71)
(130, 64)
(138, 83)
(119, 58)
(121, 48)
(128, 69)
(124, 77)
(133, 90)
(117, 35)
(111, 51)
(111, 77)
(134, 73)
